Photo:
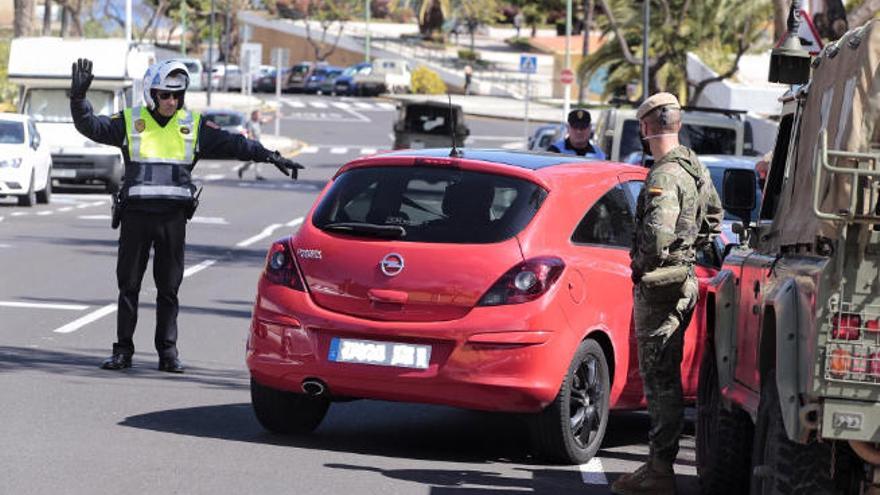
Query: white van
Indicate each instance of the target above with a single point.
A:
(41, 68)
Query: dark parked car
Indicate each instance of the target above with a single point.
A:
(319, 76)
(344, 83)
(266, 82)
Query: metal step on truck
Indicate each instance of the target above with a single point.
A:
(789, 393)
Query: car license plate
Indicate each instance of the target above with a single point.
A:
(379, 353)
(417, 145)
(63, 173)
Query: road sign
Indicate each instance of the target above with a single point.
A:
(566, 76)
(809, 37)
(528, 64)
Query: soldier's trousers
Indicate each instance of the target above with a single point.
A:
(660, 324)
(165, 235)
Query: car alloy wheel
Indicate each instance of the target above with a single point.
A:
(570, 430)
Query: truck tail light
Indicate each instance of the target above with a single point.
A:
(281, 266)
(839, 363)
(524, 282)
(846, 326)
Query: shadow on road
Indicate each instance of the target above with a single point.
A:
(85, 365)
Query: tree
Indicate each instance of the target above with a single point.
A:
(863, 13)
(534, 16)
(476, 12)
(328, 13)
(432, 13)
(723, 30)
(780, 16)
(24, 17)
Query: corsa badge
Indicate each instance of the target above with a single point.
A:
(184, 130)
(140, 125)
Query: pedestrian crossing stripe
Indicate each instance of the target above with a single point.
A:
(337, 150)
(342, 105)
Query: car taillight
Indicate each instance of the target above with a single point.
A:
(846, 326)
(525, 282)
(281, 267)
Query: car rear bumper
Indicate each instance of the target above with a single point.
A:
(78, 168)
(495, 359)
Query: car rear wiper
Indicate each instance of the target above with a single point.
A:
(369, 229)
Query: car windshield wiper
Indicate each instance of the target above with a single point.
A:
(369, 229)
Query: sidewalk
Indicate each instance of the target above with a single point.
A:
(493, 106)
(198, 100)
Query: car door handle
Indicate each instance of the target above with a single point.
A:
(388, 296)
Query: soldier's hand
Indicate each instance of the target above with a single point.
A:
(81, 78)
(287, 167)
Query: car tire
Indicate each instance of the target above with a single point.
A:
(111, 186)
(724, 438)
(570, 430)
(783, 467)
(287, 413)
(45, 196)
(30, 198)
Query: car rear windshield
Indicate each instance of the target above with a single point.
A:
(11, 132)
(427, 119)
(53, 105)
(225, 119)
(429, 204)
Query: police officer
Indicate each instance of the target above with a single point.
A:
(577, 142)
(160, 142)
(678, 212)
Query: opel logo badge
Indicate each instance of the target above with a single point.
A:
(391, 264)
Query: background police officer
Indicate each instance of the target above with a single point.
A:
(161, 142)
(577, 142)
(678, 212)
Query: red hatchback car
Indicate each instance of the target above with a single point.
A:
(494, 280)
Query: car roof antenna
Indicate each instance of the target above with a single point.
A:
(454, 152)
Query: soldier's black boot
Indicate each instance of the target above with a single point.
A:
(654, 478)
(117, 361)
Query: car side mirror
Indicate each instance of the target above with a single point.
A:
(35, 142)
(738, 195)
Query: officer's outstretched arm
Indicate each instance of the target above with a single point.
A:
(221, 145)
(287, 167)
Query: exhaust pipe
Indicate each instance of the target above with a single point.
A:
(314, 387)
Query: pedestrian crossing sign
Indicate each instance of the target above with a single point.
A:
(528, 64)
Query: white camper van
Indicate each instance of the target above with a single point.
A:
(41, 67)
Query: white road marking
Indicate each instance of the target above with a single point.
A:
(368, 151)
(65, 209)
(262, 235)
(318, 104)
(85, 320)
(45, 212)
(338, 151)
(5, 246)
(210, 220)
(515, 145)
(18, 304)
(294, 103)
(386, 106)
(211, 177)
(293, 223)
(309, 149)
(593, 473)
(18, 213)
(97, 203)
(94, 217)
(364, 105)
(341, 104)
(83, 206)
(1, 219)
(197, 268)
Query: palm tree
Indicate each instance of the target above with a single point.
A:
(723, 30)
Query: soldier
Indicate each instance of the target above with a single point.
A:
(678, 212)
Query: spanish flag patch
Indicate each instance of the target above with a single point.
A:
(655, 191)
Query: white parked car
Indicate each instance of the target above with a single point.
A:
(232, 73)
(25, 162)
(196, 71)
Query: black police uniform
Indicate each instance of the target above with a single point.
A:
(159, 224)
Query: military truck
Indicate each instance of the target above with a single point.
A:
(789, 389)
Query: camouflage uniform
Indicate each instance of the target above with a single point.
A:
(678, 211)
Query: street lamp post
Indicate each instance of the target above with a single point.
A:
(566, 106)
(367, 37)
(211, 55)
(646, 31)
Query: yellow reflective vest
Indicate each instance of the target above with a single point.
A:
(161, 159)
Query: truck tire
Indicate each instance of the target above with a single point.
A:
(724, 438)
(285, 412)
(783, 467)
(570, 430)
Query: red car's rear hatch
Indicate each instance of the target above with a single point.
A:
(413, 243)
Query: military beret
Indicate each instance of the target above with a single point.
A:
(656, 101)
(579, 118)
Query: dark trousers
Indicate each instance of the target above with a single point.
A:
(165, 233)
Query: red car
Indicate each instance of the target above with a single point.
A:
(497, 281)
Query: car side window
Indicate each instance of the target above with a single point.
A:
(633, 189)
(608, 222)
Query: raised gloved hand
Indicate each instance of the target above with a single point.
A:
(81, 78)
(287, 167)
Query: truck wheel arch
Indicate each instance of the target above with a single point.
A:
(779, 352)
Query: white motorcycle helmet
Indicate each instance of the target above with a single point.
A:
(168, 75)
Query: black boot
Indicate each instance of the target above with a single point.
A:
(117, 361)
(171, 365)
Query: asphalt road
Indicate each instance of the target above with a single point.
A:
(69, 427)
